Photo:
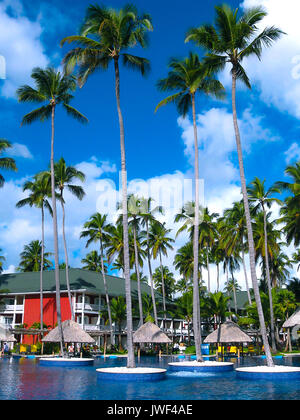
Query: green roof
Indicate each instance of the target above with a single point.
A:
(241, 299)
(80, 279)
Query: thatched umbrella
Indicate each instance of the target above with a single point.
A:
(229, 332)
(72, 333)
(150, 333)
(291, 322)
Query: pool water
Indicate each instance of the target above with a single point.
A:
(25, 379)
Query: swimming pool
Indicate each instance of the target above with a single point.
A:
(26, 379)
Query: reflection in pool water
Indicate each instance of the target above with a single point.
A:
(25, 379)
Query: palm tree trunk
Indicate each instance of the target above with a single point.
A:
(66, 259)
(208, 270)
(218, 277)
(106, 295)
(249, 227)
(272, 321)
(137, 270)
(196, 305)
(151, 276)
(163, 288)
(246, 277)
(55, 234)
(41, 271)
(130, 348)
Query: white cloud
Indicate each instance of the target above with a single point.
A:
(293, 153)
(277, 75)
(20, 150)
(20, 46)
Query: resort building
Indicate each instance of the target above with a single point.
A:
(20, 303)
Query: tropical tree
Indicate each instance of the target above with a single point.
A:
(294, 287)
(64, 178)
(118, 312)
(217, 304)
(184, 310)
(263, 198)
(233, 38)
(232, 286)
(39, 192)
(52, 89)
(147, 217)
(163, 276)
(5, 162)
(31, 258)
(187, 78)
(284, 306)
(160, 243)
(98, 230)
(92, 262)
(106, 36)
(290, 215)
(233, 235)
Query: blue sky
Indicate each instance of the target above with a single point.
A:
(157, 145)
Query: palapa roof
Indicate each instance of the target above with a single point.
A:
(293, 320)
(150, 333)
(5, 336)
(229, 332)
(72, 333)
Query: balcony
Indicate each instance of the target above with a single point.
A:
(11, 308)
(87, 307)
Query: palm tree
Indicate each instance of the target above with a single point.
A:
(233, 232)
(187, 78)
(263, 199)
(92, 262)
(164, 279)
(40, 191)
(290, 210)
(148, 216)
(184, 310)
(31, 258)
(217, 306)
(134, 222)
(52, 89)
(233, 38)
(97, 229)
(232, 286)
(64, 176)
(105, 37)
(5, 162)
(160, 243)
(118, 312)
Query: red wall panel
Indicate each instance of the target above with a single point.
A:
(32, 311)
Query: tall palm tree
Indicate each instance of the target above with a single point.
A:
(106, 36)
(160, 243)
(134, 221)
(52, 89)
(39, 192)
(118, 310)
(147, 216)
(233, 232)
(97, 229)
(31, 258)
(164, 279)
(5, 162)
(64, 178)
(187, 78)
(234, 37)
(263, 198)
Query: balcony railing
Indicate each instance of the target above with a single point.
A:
(11, 308)
(87, 307)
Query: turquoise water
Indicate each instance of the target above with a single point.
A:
(26, 379)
